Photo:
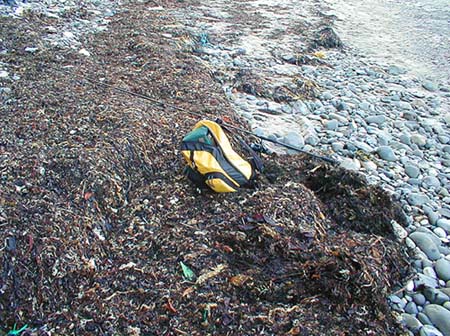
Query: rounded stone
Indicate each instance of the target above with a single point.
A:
(418, 139)
(376, 119)
(386, 153)
(332, 125)
(442, 267)
(431, 181)
(412, 170)
(423, 318)
(419, 299)
(411, 322)
(444, 223)
(429, 271)
(435, 295)
(430, 86)
(294, 139)
(429, 330)
(351, 164)
(433, 217)
(426, 244)
(439, 316)
(440, 232)
(411, 308)
(418, 199)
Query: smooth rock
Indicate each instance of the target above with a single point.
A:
(426, 244)
(419, 299)
(444, 223)
(332, 125)
(429, 271)
(399, 230)
(369, 165)
(396, 70)
(435, 295)
(412, 170)
(351, 164)
(430, 86)
(433, 217)
(439, 316)
(405, 139)
(386, 153)
(440, 232)
(376, 119)
(429, 330)
(294, 139)
(300, 107)
(312, 140)
(418, 139)
(423, 280)
(411, 308)
(418, 199)
(442, 267)
(431, 181)
(327, 95)
(411, 322)
(423, 318)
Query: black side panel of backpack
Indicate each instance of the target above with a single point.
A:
(196, 177)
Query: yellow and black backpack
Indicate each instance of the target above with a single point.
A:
(212, 162)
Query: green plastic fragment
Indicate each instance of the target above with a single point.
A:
(15, 332)
(187, 272)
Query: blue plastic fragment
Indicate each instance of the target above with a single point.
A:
(15, 331)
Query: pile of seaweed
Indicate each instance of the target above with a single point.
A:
(103, 235)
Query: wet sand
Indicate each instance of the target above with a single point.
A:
(411, 34)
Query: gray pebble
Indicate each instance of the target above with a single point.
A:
(442, 267)
(418, 199)
(426, 244)
(332, 125)
(430, 86)
(435, 296)
(386, 153)
(351, 164)
(294, 139)
(411, 322)
(423, 280)
(418, 139)
(412, 170)
(376, 119)
(431, 181)
(404, 105)
(327, 95)
(423, 318)
(444, 223)
(429, 330)
(429, 271)
(405, 139)
(419, 299)
(440, 232)
(439, 316)
(433, 217)
(411, 308)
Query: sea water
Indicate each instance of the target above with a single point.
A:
(414, 34)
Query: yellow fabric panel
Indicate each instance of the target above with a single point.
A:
(219, 186)
(206, 163)
(187, 156)
(243, 166)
